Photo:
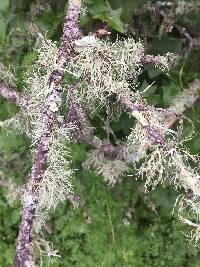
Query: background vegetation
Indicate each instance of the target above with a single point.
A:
(112, 226)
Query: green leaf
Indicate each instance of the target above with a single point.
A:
(169, 92)
(96, 7)
(153, 73)
(48, 21)
(128, 7)
(11, 141)
(103, 11)
(4, 21)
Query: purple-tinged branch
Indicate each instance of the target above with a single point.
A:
(194, 43)
(107, 148)
(23, 254)
(153, 134)
(77, 115)
(169, 120)
(188, 103)
(71, 32)
(13, 96)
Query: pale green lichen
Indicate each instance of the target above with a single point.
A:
(165, 61)
(37, 85)
(40, 248)
(56, 181)
(172, 165)
(111, 170)
(189, 213)
(7, 75)
(136, 144)
(105, 67)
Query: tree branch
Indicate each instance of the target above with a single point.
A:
(187, 102)
(194, 43)
(13, 96)
(77, 116)
(71, 32)
(190, 99)
(154, 135)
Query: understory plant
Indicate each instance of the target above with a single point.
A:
(67, 83)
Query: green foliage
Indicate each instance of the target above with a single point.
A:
(128, 7)
(100, 236)
(9, 220)
(103, 11)
(162, 45)
(116, 13)
(111, 227)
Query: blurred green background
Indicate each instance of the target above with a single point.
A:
(116, 226)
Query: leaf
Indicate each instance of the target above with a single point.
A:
(4, 21)
(96, 7)
(104, 11)
(153, 73)
(169, 93)
(150, 93)
(48, 21)
(128, 7)
(147, 92)
(10, 141)
(114, 18)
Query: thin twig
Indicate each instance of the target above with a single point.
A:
(194, 43)
(190, 100)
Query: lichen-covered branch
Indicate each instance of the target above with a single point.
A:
(13, 96)
(48, 115)
(154, 135)
(194, 43)
(168, 11)
(183, 101)
(107, 148)
(82, 132)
